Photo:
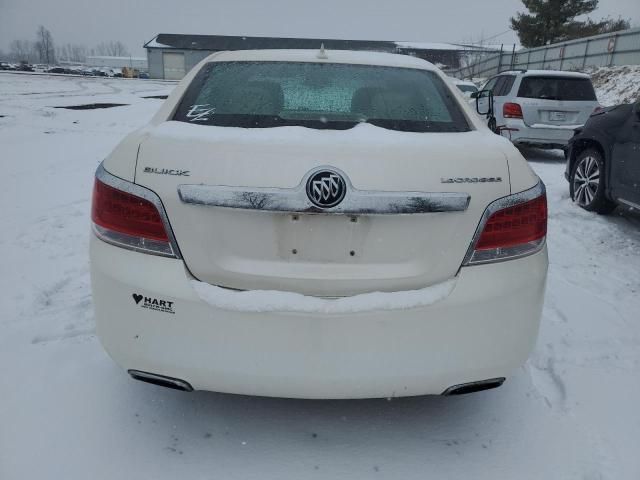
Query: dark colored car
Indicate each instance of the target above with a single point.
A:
(603, 160)
(57, 70)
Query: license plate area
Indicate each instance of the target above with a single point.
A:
(322, 238)
(557, 116)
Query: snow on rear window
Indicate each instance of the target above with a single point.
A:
(319, 95)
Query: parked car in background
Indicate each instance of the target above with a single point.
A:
(306, 223)
(603, 160)
(465, 86)
(58, 70)
(540, 108)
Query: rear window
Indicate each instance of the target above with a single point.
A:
(319, 95)
(557, 88)
(503, 85)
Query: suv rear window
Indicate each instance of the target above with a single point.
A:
(557, 88)
(320, 95)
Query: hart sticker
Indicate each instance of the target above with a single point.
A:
(151, 303)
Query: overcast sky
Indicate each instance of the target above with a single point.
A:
(135, 21)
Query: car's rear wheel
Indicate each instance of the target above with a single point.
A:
(587, 183)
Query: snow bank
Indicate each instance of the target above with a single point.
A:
(276, 301)
(311, 138)
(616, 85)
(361, 132)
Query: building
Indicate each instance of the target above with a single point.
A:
(171, 56)
(139, 63)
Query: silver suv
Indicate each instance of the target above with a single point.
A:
(540, 108)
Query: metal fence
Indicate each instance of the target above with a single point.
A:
(609, 49)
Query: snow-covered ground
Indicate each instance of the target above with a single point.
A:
(615, 85)
(67, 412)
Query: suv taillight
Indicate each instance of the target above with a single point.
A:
(512, 227)
(127, 220)
(512, 110)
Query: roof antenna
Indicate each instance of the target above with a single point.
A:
(322, 54)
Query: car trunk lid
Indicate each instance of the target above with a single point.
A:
(321, 254)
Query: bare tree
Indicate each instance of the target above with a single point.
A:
(78, 53)
(44, 43)
(22, 51)
(71, 53)
(112, 49)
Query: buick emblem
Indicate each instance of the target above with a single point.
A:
(326, 188)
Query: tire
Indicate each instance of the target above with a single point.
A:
(587, 183)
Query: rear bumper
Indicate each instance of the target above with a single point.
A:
(539, 136)
(485, 328)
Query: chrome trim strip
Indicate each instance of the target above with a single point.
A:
(129, 187)
(499, 204)
(295, 200)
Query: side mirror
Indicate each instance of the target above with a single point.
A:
(487, 108)
(474, 94)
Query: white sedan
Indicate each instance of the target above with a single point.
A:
(318, 224)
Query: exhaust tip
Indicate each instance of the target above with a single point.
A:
(161, 380)
(473, 387)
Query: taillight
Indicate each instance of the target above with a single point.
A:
(128, 220)
(512, 110)
(512, 227)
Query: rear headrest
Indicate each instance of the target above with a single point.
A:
(398, 105)
(260, 98)
(374, 102)
(361, 100)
